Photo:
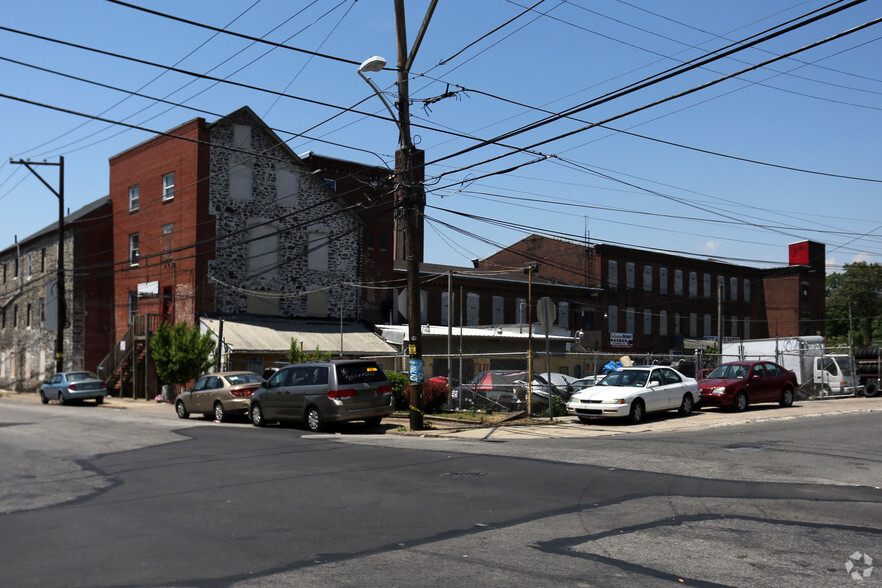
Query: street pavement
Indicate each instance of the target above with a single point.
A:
(561, 427)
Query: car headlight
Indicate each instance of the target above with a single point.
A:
(719, 390)
(613, 401)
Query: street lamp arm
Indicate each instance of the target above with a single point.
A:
(382, 98)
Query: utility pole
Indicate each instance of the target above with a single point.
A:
(60, 290)
(404, 165)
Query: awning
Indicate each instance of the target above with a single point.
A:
(273, 335)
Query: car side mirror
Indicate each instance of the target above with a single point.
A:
(264, 384)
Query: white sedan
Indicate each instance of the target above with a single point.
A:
(632, 392)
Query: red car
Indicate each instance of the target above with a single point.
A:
(737, 384)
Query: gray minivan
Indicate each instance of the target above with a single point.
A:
(324, 392)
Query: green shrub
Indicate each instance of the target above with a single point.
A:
(560, 408)
(399, 389)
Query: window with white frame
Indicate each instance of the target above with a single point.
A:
(473, 307)
(733, 289)
(693, 324)
(693, 285)
(134, 252)
(677, 330)
(747, 327)
(629, 320)
(647, 321)
(663, 323)
(134, 198)
(733, 324)
(678, 282)
(662, 280)
(447, 303)
(707, 286)
(629, 275)
(647, 278)
(168, 186)
(746, 290)
(721, 287)
(612, 315)
(707, 325)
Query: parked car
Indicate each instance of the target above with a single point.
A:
(68, 386)
(324, 392)
(490, 390)
(561, 385)
(218, 395)
(740, 383)
(586, 382)
(632, 392)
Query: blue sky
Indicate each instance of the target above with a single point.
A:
(502, 67)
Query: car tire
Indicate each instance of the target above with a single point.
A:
(740, 404)
(786, 398)
(687, 406)
(99, 400)
(181, 410)
(638, 411)
(256, 414)
(314, 419)
(220, 414)
(373, 421)
(61, 399)
(43, 398)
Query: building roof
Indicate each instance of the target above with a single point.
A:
(70, 219)
(273, 335)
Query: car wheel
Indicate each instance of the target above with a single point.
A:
(43, 398)
(373, 421)
(256, 414)
(61, 399)
(314, 419)
(787, 397)
(584, 420)
(687, 405)
(99, 400)
(638, 411)
(740, 402)
(182, 411)
(219, 413)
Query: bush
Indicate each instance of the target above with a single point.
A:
(560, 408)
(435, 396)
(399, 389)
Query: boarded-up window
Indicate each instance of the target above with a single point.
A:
(317, 250)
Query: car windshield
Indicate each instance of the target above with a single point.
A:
(729, 372)
(844, 364)
(243, 379)
(353, 373)
(81, 376)
(632, 378)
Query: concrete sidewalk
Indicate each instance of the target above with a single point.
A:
(561, 427)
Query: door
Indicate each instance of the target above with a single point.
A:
(198, 400)
(271, 398)
(656, 392)
(758, 384)
(675, 388)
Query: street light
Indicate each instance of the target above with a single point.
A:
(405, 195)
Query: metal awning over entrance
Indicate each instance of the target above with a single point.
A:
(258, 335)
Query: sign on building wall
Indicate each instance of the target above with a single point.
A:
(621, 339)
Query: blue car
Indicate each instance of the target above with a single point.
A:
(69, 386)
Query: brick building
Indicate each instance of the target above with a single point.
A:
(651, 302)
(28, 311)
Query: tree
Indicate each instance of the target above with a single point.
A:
(297, 355)
(859, 287)
(181, 353)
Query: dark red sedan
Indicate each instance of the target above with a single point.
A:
(737, 384)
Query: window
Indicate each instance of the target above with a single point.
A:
(563, 314)
(693, 324)
(678, 282)
(28, 316)
(473, 305)
(677, 329)
(369, 241)
(663, 323)
(42, 260)
(707, 285)
(316, 250)
(446, 300)
(721, 287)
(647, 321)
(168, 187)
(733, 289)
(42, 312)
(15, 316)
(521, 306)
(746, 290)
(166, 242)
(134, 252)
(662, 280)
(647, 278)
(133, 306)
(29, 265)
(612, 314)
(134, 198)
(384, 243)
(733, 331)
(707, 326)
(612, 278)
(629, 320)
(693, 285)
(629, 277)
(498, 310)
(746, 328)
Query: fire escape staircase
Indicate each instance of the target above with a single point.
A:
(124, 369)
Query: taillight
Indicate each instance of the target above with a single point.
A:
(384, 390)
(340, 394)
(244, 391)
(72, 387)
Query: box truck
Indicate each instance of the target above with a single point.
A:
(820, 373)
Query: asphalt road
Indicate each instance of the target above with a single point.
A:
(94, 496)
